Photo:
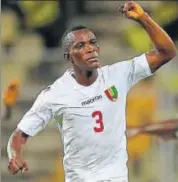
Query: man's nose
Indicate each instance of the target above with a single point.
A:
(89, 48)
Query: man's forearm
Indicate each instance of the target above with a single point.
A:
(159, 37)
(166, 129)
(165, 48)
(16, 143)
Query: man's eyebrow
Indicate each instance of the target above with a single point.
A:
(81, 42)
(93, 39)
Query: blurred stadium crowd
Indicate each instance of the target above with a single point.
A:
(31, 52)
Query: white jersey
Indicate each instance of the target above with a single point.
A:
(93, 126)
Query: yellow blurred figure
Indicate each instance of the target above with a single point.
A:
(10, 97)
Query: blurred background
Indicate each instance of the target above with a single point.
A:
(32, 59)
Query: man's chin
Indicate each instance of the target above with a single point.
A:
(95, 65)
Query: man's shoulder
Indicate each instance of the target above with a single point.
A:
(57, 88)
(119, 65)
(62, 81)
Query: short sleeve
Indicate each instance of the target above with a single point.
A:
(138, 70)
(130, 72)
(37, 117)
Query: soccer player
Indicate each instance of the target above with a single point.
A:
(92, 100)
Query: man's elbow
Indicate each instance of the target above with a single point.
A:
(171, 54)
(174, 53)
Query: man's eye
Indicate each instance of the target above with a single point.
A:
(94, 42)
(80, 46)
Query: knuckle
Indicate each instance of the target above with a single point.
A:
(131, 3)
(12, 161)
(12, 165)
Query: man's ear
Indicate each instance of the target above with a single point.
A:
(66, 56)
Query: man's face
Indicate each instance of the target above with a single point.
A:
(84, 51)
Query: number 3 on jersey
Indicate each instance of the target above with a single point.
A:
(99, 121)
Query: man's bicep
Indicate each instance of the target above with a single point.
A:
(155, 60)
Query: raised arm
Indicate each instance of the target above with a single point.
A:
(15, 150)
(165, 48)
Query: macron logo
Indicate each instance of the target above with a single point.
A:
(89, 101)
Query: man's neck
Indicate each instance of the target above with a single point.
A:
(87, 77)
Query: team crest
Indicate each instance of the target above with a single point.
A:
(112, 93)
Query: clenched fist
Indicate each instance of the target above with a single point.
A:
(16, 164)
(132, 10)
